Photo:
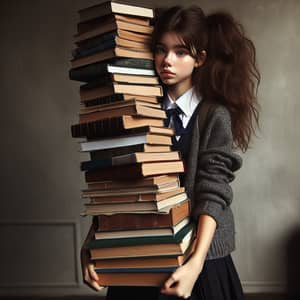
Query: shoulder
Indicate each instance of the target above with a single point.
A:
(217, 129)
(218, 117)
(219, 112)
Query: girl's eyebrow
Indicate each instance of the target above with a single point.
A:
(175, 46)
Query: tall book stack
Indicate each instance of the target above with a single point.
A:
(133, 188)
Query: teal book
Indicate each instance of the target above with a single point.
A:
(176, 239)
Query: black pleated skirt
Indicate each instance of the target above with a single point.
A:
(218, 281)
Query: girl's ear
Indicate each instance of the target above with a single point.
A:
(201, 59)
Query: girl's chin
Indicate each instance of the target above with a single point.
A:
(168, 81)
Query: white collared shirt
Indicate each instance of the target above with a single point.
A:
(187, 102)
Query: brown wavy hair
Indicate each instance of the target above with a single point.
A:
(229, 74)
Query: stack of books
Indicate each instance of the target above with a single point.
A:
(132, 180)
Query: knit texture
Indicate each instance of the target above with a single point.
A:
(209, 171)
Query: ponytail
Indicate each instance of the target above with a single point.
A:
(230, 75)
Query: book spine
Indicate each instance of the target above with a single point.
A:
(136, 270)
(119, 172)
(102, 154)
(88, 72)
(92, 71)
(105, 127)
(96, 41)
(134, 221)
(96, 164)
(94, 244)
(82, 52)
(139, 63)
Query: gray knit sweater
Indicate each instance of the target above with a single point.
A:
(210, 168)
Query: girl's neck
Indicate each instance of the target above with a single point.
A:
(175, 91)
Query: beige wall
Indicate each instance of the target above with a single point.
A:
(40, 179)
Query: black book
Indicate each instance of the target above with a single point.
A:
(108, 153)
(123, 65)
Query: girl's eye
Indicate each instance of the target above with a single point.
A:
(181, 53)
(159, 50)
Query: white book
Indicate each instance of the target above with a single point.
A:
(131, 71)
(123, 141)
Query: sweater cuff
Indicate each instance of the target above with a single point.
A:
(211, 208)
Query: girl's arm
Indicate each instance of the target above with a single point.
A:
(212, 194)
(182, 281)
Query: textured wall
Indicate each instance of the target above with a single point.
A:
(40, 178)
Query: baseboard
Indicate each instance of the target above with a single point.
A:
(248, 297)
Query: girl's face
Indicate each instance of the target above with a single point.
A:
(173, 62)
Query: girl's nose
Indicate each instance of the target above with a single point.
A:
(168, 58)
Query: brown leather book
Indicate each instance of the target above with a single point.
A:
(135, 279)
(87, 94)
(114, 126)
(132, 107)
(138, 221)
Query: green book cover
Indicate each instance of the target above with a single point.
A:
(176, 239)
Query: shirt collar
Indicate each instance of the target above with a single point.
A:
(187, 102)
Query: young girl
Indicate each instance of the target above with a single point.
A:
(203, 59)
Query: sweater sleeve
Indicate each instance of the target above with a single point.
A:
(216, 166)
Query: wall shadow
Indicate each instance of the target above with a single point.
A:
(293, 265)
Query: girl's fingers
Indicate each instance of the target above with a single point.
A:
(169, 282)
(96, 286)
(92, 272)
(89, 279)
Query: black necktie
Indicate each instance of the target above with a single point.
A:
(174, 119)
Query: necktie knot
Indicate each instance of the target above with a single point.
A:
(174, 120)
(176, 111)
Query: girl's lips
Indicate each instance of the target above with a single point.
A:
(167, 74)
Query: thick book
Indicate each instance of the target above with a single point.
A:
(90, 24)
(127, 159)
(133, 279)
(142, 232)
(97, 22)
(147, 148)
(112, 24)
(131, 107)
(137, 79)
(110, 7)
(113, 126)
(136, 270)
(145, 262)
(122, 34)
(139, 170)
(173, 248)
(118, 88)
(119, 98)
(114, 41)
(155, 182)
(124, 78)
(131, 190)
(99, 198)
(109, 54)
(121, 141)
(93, 208)
(138, 221)
(144, 240)
(80, 131)
(118, 65)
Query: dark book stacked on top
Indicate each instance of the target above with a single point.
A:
(132, 175)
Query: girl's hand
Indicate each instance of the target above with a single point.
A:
(90, 277)
(182, 281)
